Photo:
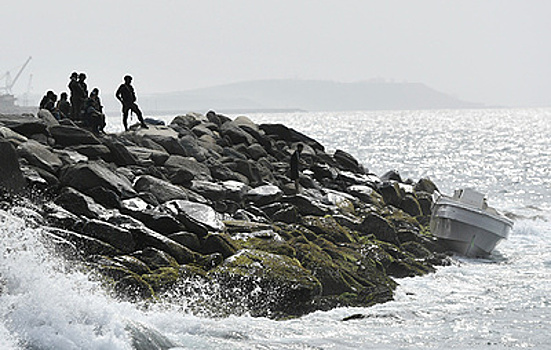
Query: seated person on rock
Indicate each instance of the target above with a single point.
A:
(48, 103)
(64, 106)
(93, 112)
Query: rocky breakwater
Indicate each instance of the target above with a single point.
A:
(202, 210)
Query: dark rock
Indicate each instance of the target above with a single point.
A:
(145, 237)
(57, 216)
(192, 148)
(391, 175)
(391, 193)
(366, 194)
(155, 258)
(93, 151)
(119, 238)
(288, 214)
(281, 132)
(23, 124)
(215, 243)
(162, 190)
(248, 169)
(79, 204)
(307, 206)
(425, 185)
(199, 171)
(410, 205)
(85, 244)
(105, 197)
(164, 136)
(72, 136)
(120, 154)
(40, 156)
(347, 162)
(380, 227)
(143, 155)
(236, 134)
(11, 177)
(133, 264)
(268, 275)
(187, 239)
(85, 176)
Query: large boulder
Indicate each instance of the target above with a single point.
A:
(26, 125)
(79, 204)
(190, 164)
(11, 177)
(85, 176)
(117, 237)
(162, 190)
(236, 134)
(281, 132)
(265, 194)
(267, 283)
(39, 155)
(198, 218)
(65, 135)
(162, 135)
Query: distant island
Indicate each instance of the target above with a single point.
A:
(308, 95)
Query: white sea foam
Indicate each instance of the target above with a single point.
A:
(498, 303)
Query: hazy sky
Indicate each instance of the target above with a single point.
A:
(490, 51)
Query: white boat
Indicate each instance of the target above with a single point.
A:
(466, 224)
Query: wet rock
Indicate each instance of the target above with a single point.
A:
(11, 177)
(162, 190)
(155, 258)
(366, 194)
(85, 244)
(119, 238)
(79, 204)
(39, 155)
(269, 275)
(215, 243)
(85, 176)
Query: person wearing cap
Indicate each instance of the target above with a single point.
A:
(125, 93)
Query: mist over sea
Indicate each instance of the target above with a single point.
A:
(501, 302)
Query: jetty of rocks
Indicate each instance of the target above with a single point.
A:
(203, 210)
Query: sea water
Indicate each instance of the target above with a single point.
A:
(500, 302)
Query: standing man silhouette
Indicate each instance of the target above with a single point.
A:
(125, 93)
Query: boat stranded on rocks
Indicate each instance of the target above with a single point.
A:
(203, 209)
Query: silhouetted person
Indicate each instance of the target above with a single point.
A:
(93, 112)
(125, 93)
(48, 102)
(63, 106)
(294, 165)
(78, 95)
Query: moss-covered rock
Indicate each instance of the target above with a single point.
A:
(268, 282)
(162, 278)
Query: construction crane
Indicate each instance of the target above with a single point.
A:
(9, 82)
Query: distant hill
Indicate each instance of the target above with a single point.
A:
(311, 95)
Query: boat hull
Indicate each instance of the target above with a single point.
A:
(466, 230)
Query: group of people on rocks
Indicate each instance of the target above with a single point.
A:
(87, 109)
